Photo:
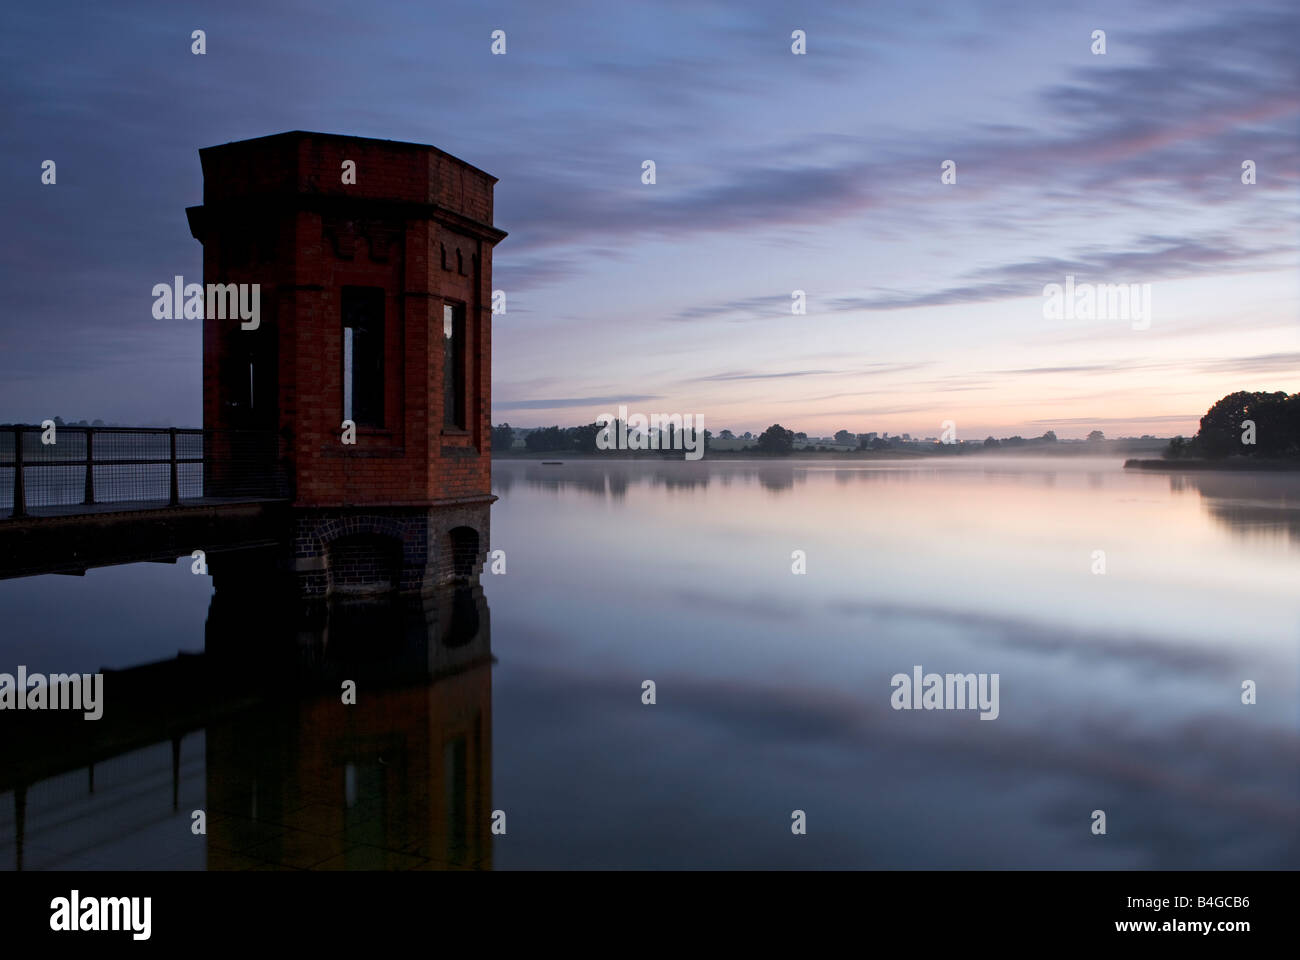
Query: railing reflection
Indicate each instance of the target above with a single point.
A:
(259, 737)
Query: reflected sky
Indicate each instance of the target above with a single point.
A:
(1118, 692)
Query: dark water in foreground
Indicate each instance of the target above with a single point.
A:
(1118, 691)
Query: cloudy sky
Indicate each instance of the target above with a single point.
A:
(775, 173)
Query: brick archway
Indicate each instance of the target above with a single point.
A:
(359, 553)
(463, 553)
(431, 547)
(335, 528)
(367, 563)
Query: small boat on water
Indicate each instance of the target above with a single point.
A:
(552, 463)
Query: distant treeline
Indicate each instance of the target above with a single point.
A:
(60, 422)
(1244, 424)
(556, 439)
(776, 440)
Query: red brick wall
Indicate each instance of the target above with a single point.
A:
(276, 212)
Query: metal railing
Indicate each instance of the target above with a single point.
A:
(153, 466)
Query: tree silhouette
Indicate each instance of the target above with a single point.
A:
(502, 437)
(547, 438)
(1277, 425)
(776, 439)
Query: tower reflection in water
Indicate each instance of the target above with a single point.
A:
(399, 779)
(292, 777)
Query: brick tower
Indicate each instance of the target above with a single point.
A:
(373, 259)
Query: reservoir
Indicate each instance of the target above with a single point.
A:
(1124, 613)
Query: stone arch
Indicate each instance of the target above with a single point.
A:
(364, 556)
(464, 556)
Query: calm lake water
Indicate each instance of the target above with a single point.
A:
(1118, 691)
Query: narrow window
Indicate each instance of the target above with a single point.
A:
(455, 772)
(363, 356)
(453, 366)
(347, 373)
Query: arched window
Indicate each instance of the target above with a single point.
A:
(464, 552)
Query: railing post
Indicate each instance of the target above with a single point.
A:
(20, 493)
(176, 481)
(90, 466)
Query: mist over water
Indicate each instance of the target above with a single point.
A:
(1119, 691)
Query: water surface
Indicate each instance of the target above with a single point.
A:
(1119, 691)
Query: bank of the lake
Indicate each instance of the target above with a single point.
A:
(1232, 463)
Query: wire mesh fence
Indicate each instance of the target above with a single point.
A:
(70, 467)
